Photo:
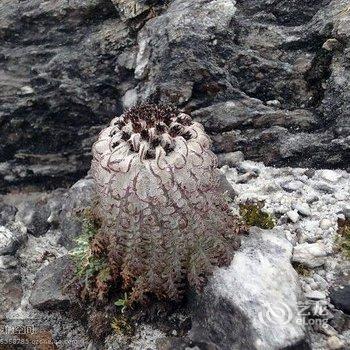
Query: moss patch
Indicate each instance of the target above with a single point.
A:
(254, 216)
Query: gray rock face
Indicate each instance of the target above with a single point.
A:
(34, 215)
(79, 196)
(57, 83)
(47, 292)
(341, 298)
(268, 78)
(253, 304)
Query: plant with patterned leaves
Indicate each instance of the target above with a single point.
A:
(165, 223)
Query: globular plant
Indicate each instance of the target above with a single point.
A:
(165, 224)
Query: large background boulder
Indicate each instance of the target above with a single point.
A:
(268, 78)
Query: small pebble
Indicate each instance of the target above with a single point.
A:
(293, 216)
(8, 261)
(273, 103)
(325, 224)
(302, 208)
(312, 198)
(292, 186)
(242, 179)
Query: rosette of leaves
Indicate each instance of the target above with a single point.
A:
(165, 223)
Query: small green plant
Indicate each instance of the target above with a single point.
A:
(92, 271)
(254, 216)
(343, 240)
(81, 254)
(122, 302)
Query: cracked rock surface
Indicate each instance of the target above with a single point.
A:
(268, 78)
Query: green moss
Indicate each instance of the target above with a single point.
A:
(343, 240)
(254, 216)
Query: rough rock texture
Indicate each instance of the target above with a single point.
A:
(341, 298)
(268, 78)
(47, 291)
(253, 304)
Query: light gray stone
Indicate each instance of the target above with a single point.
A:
(232, 159)
(293, 216)
(325, 224)
(11, 237)
(302, 208)
(310, 254)
(259, 282)
(330, 175)
(129, 9)
(292, 186)
(316, 295)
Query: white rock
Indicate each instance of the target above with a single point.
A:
(330, 175)
(316, 295)
(334, 343)
(293, 215)
(27, 90)
(274, 103)
(267, 283)
(325, 224)
(311, 255)
(302, 208)
(322, 283)
(292, 186)
(130, 98)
